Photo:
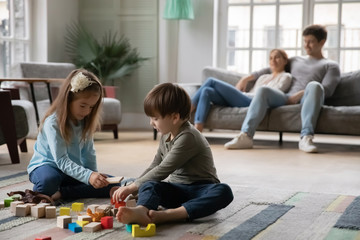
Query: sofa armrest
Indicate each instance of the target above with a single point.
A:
(221, 74)
(190, 88)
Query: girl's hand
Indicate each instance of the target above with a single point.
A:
(122, 192)
(98, 180)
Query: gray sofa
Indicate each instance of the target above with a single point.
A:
(339, 115)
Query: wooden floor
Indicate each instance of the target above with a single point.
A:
(335, 169)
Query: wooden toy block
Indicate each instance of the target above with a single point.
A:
(77, 207)
(82, 223)
(2, 205)
(38, 211)
(84, 218)
(7, 201)
(92, 227)
(93, 207)
(114, 211)
(131, 203)
(120, 204)
(113, 180)
(50, 211)
(64, 211)
(43, 238)
(149, 231)
(128, 227)
(107, 222)
(44, 204)
(14, 204)
(74, 227)
(21, 210)
(105, 209)
(63, 221)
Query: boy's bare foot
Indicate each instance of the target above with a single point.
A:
(168, 215)
(138, 215)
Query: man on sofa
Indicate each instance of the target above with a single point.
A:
(314, 78)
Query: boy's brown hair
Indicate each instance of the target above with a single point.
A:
(167, 98)
(318, 31)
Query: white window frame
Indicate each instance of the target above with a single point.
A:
(221, 49)
(12, 39)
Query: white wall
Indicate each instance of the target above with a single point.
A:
(195, 44)
(60, 14)
(49, 19)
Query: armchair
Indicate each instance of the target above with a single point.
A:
(13, 127)
(111, 115)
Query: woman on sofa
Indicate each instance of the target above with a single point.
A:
(218, 92)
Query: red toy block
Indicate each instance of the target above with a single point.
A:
(43, 238)
(107, 222)
(120, 204)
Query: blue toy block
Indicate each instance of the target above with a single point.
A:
(128, 227)
(74, 227)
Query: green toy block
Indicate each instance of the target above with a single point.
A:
(7, 201)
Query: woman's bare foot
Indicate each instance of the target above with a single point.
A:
(138, 215)
(168, 215)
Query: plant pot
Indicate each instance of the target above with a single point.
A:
(110, 91)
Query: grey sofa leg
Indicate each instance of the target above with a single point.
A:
(280, 138)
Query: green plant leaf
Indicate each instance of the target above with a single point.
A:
(111, 59)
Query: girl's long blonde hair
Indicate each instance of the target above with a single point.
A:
(61, 106)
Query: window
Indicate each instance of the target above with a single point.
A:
(14, 34)
(254, 27)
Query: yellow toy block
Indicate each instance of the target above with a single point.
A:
(77, 207)
(64, 211)
(149, 231)
(82, 223)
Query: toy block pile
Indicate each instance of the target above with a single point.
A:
(21, 209)
(98, 217)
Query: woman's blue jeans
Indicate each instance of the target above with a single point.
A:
(266, 98)
(48, 180)
(199, 199)
(219, 93)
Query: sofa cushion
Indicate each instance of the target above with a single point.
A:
(285, 118)
(339, 120)
(229, 118)
(347, 93)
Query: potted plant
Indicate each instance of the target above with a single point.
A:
(110, 59)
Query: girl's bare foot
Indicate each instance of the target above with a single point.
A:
(168, 215)
(138, 215)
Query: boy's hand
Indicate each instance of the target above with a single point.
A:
(122, 192)
(98, 180)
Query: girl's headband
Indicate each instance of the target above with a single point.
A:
(79, 82)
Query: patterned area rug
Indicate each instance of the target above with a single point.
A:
(254, 214)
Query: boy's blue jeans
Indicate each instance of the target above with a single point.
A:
(219, 93)
(48, 180)
(199, 199)
(266, 98)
